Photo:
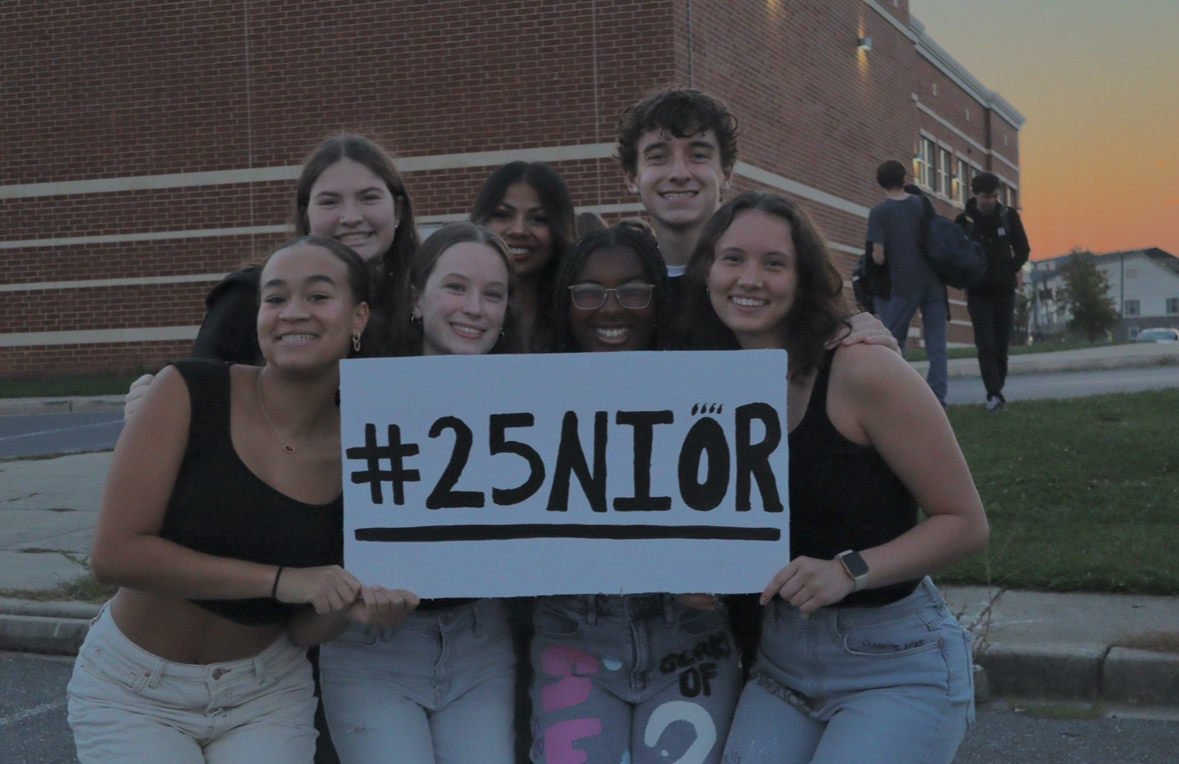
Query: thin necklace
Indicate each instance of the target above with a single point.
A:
(285, 447)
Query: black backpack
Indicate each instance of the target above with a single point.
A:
(958, 261)
(870, 280)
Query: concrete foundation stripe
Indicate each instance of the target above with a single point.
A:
(29, 713)
(291, 172)
(49, 286)
(98, 336)
(116, 238)
(798, 189)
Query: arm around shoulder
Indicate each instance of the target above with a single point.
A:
(227, 332)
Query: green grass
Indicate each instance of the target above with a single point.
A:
(54, 387)
(918, 353)
(81, 588)
(1082, 494)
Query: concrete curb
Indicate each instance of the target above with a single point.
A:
(80, 405)
(51, 609)
(39, 634)
(1051, 671)
(1080, 672)
(1032, 671)
(56, 628)
(1141, 677)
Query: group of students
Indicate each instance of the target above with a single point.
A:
(221, 520)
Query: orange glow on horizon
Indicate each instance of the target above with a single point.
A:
(1099, 153)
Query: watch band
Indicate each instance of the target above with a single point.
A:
(856, 567)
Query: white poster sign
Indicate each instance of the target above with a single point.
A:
(522, 475)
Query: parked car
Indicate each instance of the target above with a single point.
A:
(1158, 335)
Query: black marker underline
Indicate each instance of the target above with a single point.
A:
(567, 531)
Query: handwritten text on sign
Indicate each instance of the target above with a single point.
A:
(575, 473)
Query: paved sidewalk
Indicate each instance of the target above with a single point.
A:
(1088, 359)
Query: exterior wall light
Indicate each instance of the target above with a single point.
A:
(865, 44)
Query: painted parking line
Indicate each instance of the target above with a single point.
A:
(29, 713)
(60, 429)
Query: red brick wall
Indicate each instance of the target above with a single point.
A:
(131, 88)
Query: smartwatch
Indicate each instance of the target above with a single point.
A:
(855, 566)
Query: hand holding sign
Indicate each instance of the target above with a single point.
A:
(576, 474)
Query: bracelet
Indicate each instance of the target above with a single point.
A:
(274, 589)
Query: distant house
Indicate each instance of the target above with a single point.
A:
(1143, 287)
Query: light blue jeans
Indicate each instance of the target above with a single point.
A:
(631, 680)
(887, 685)
(896, 313)
(127, 705)
(438, 688)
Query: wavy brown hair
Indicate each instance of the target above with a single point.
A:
(819, 311)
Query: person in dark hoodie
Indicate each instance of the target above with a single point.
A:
(991, 303)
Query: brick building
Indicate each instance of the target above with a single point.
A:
(150, 148)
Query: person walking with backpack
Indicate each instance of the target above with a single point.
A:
(991, 302)
(895, 241)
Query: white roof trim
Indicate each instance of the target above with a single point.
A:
(946, 63)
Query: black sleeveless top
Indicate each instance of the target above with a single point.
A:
(219, 507)
(843, 495)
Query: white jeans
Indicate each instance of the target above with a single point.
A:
(129, 706)
(437, 689)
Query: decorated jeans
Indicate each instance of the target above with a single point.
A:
(438, 688)
(127, 705)
(889, 685)
(631, 680)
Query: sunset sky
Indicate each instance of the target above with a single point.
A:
(1098, 83)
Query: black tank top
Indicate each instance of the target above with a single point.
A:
(219, 507)
(843, 495)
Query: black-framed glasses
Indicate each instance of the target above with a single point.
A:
(594, 296)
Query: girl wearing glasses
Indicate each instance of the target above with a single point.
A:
(655, 674)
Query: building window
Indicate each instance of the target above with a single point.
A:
(1130, 309)
(944, 165)
(1173, 306)
(962, 181)
(1014, 198)
(925, 152)
(1131, 273)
